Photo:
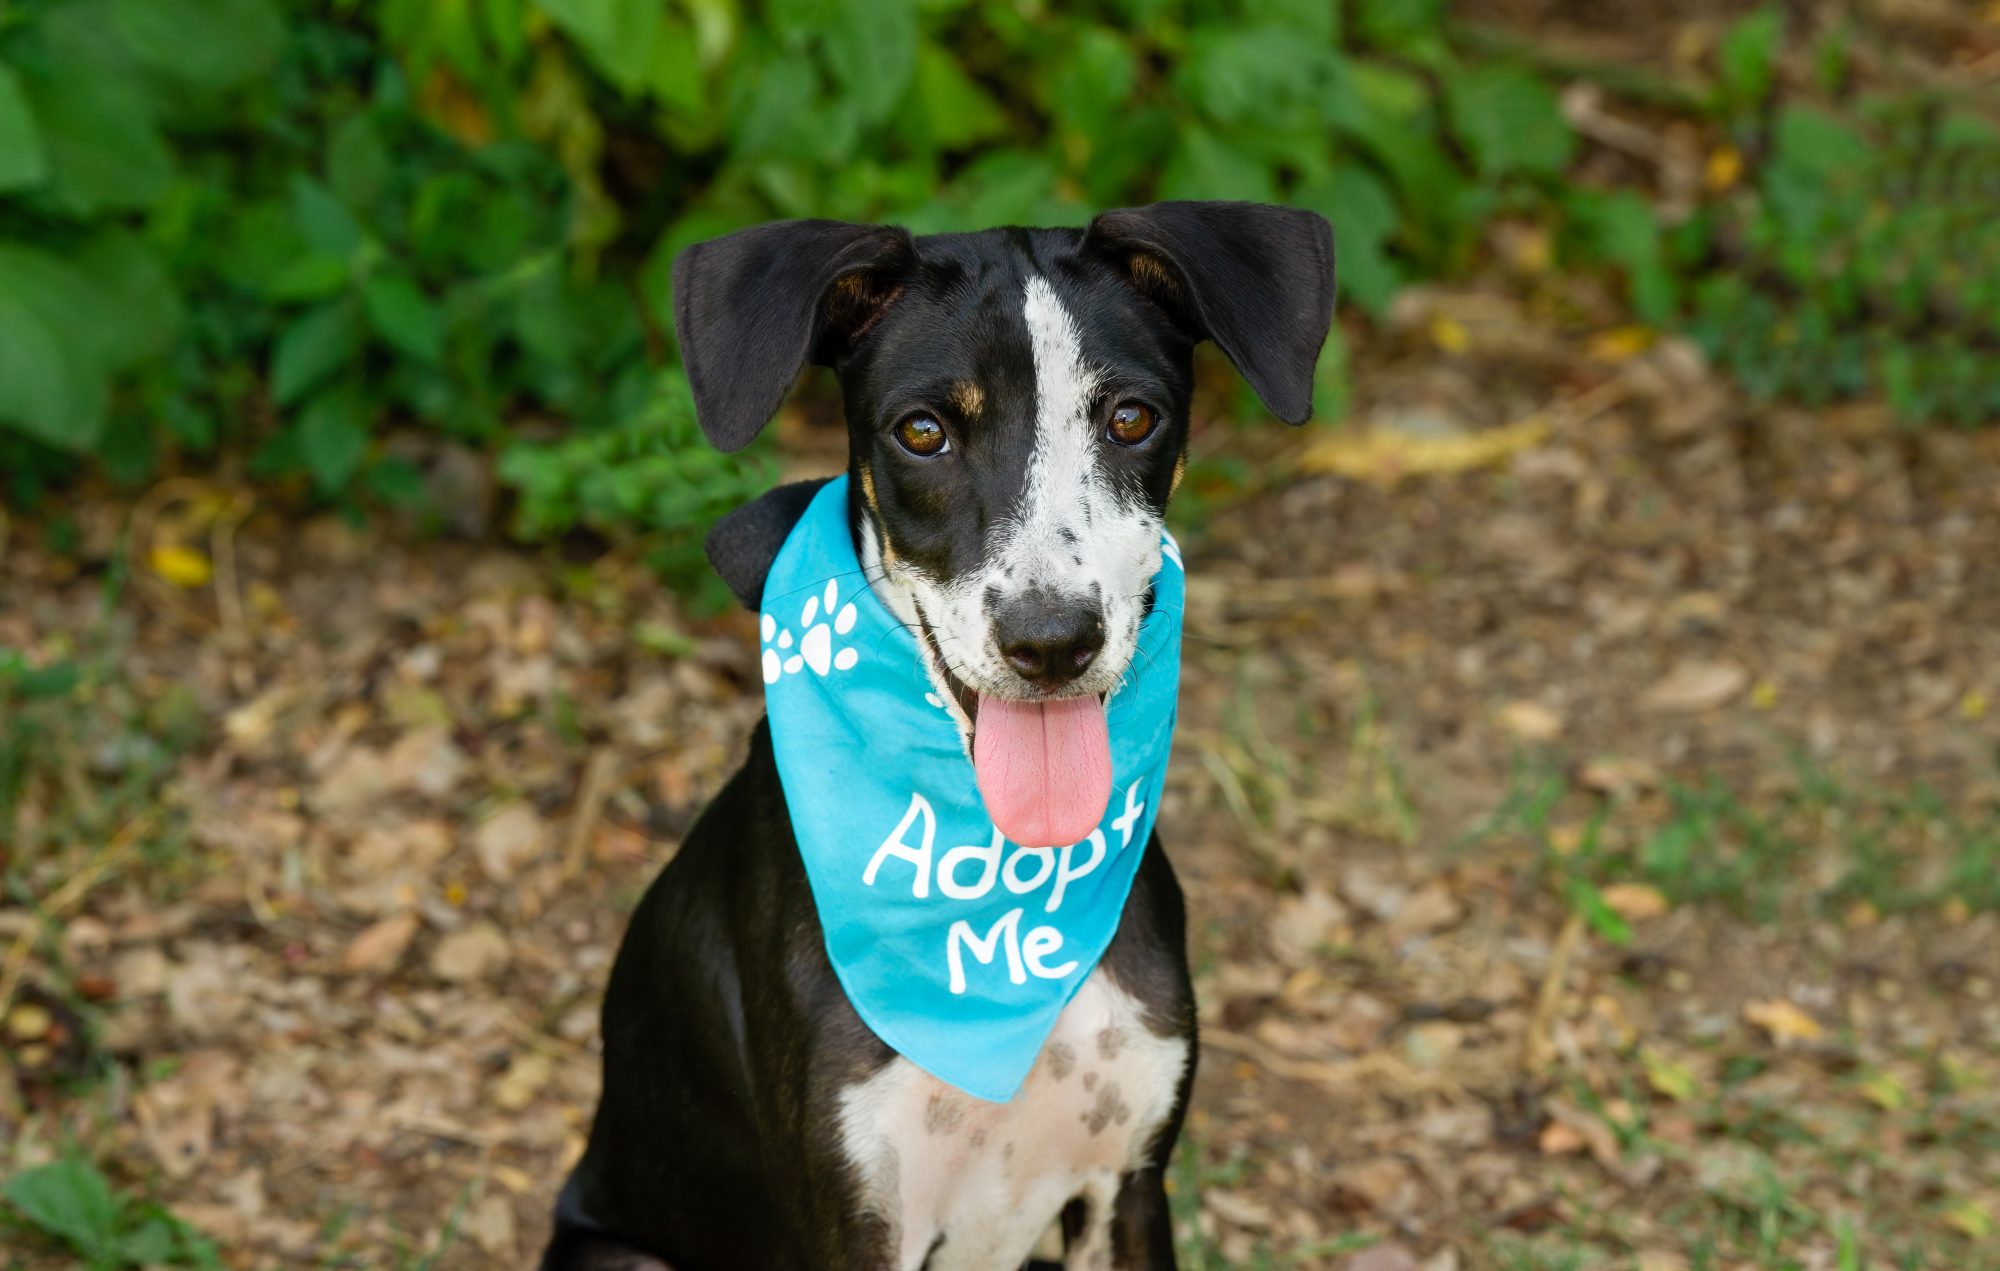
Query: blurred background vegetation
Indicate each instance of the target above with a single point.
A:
(274, 236)
(1693, 685)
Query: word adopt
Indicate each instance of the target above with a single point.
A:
(970, 872)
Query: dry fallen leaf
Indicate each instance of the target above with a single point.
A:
(1696, 685)
(471, 954)
(523, 1080)
(1971, 1218)
(1237, 1207)
(1558, 1139)
(1621, 344)
(1387, 457)
(181, 566)
(508, 840)
(1667, 1076)
(380, 946)
(1303, 924)
(491, 1226)
(1531, 721)
(1785, 1023)
(1635, 902)
(1384, 1257)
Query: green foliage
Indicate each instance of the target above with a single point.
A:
(228, 225)
(1859, 257)
(71, 1202)
(286, 230)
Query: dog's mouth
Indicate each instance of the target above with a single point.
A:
(1043, 764)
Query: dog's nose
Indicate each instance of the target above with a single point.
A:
(1048, 641)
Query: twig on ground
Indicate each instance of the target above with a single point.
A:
(228, 592)
(1377, 1069)
(1535, 1044)
(598, 772)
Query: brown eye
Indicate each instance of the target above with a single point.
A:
(923, 436)
(1132, 423)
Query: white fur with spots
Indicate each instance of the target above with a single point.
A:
(990, 1178)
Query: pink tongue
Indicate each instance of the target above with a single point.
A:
(1044, 768)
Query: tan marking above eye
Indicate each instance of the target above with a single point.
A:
(968, 399)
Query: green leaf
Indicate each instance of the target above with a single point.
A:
(142, 311)
(311, 348)
(22, 160)
(1509, 121)
(1607, 922)
(358, 165)
(1364, 218)
(333, 439)
(777, 116)
(1245, 75)
(104, 152)
(945, 109)
(675, 76)
(326, 223)
(404, 316)
(1206, 167)
(1400, 24)
(1748, 55)
(1089, 82)
(68, 1199)
(43, 391)
(618, 35)
(871, 48)
(207, 44)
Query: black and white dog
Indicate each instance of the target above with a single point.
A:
(1017, 406)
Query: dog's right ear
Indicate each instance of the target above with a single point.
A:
(743, 543)
(753, 307)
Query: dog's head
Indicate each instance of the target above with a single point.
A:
(1017, 406)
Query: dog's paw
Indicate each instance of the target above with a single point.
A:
(823, 618)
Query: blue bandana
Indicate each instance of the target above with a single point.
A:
(958, 948)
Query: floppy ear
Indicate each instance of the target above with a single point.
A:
(1256, 279)
(751, 308)
(745, 542)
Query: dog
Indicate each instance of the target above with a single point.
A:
(1017, 406)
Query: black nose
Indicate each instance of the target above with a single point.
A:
(1047, 639)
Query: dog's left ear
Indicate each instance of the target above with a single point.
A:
(753, 307)
(1256, 279)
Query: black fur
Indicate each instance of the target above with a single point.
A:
(727, 1038)
(745, 542)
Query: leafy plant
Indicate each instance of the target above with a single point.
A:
(71, 1202)
(1858, 257)
(233, 228)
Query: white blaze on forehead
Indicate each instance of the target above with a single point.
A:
(1062, 490)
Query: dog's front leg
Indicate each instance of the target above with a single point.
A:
(1137, 1234)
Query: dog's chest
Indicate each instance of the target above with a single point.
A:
(971, 1184)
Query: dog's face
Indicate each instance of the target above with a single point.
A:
(1017, 403)
(1017, 418)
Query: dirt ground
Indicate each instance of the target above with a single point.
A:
(1585, 793)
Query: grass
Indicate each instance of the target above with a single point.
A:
(87, 758)
(1822, 847)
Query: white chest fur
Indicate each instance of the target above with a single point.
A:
(980, 1182)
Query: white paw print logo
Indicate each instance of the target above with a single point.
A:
(815, 647)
